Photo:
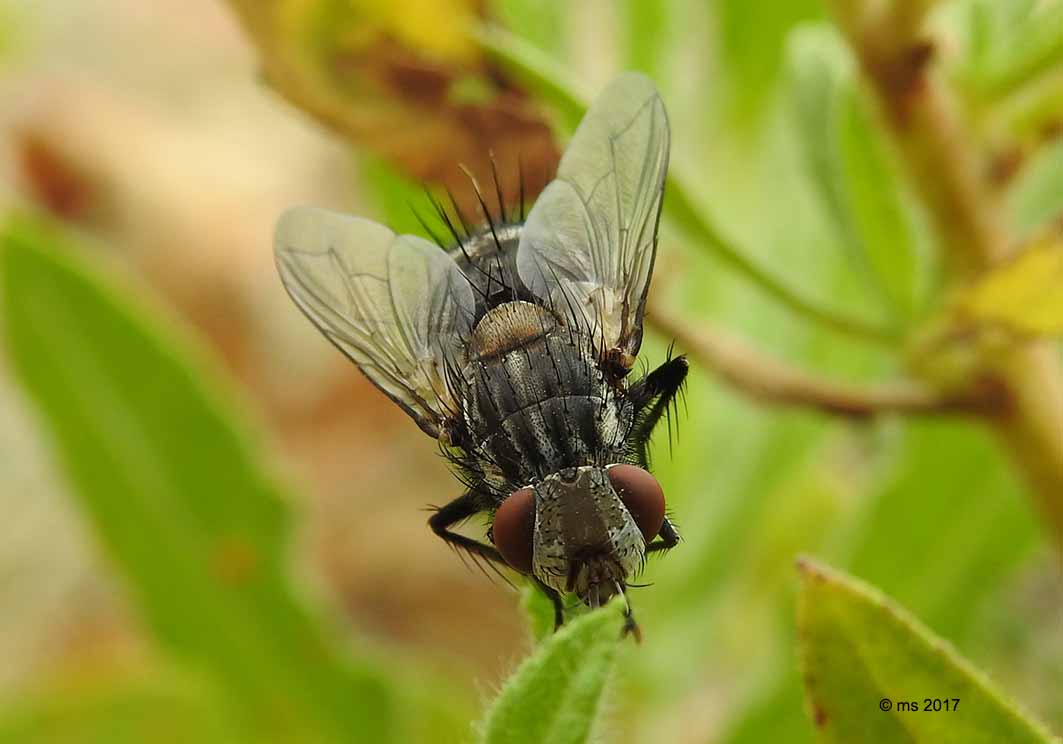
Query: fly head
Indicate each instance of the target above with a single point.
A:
(582, 530)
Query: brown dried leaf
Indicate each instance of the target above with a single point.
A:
(425, 106)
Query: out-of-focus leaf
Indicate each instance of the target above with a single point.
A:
(947, 524)
(177, 497)
(751, 34)
(851, 170)
(1025, 295)
(989, 22)
(554, 696)
(752, 460)
(1013, 42)
(777, 716)
(161, 712)
(682, 205)
(858, 648)
(884, 223)
(537, 70)
(1036, 198)
(820, 69)
(397, 199)
(705, 611)
(945, 528)
(542, 23)
(1019, 636)
(424, 107)
(645, 35)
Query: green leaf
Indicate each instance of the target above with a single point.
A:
(989, 22)
(397, 199)
(858, 648)
(850, 167)
(539, 610)
(1036, 197)
(751, 35)
(777, 715)
(1015, 42)
(975, 541)
(178, 498)
(155, 710)
(645, 35)
(554, 696)
(820, 68)
(537, 70)
(882, 219)
(543, 23)
(939, 554)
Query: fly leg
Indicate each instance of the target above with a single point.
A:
(555, 599)
(464, 507)
(668, 537)
(457, 510)
(652, 396)
(630, 626)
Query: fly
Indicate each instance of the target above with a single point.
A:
(513, 350)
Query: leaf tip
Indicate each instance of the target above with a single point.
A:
(810, 569)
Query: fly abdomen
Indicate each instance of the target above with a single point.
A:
(521, 357)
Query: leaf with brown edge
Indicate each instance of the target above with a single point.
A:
(417, 93)
(862, 655)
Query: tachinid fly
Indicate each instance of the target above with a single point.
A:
(512, 349)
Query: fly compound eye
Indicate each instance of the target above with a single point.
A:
(642, 495)
(514, 527)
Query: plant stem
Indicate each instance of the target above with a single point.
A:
(947, 170)
(767, 379)
(1031, 428)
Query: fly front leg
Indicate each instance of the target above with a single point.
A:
(668, 538)
(652, 396)
(457, 511)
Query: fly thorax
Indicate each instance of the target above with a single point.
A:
(509, 326)
(585, 540)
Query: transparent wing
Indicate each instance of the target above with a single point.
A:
(591, 238)
(397, 305)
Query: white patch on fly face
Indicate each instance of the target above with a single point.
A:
(553, 558)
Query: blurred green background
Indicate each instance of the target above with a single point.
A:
(213, 528)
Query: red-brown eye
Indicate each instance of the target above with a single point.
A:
(514, 527)
(642, 495)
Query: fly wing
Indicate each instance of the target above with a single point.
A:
(591, 238)
(397, 305)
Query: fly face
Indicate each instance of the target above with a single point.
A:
(513, 350)
(582, 530)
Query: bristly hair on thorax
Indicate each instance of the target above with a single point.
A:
(485, 248)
